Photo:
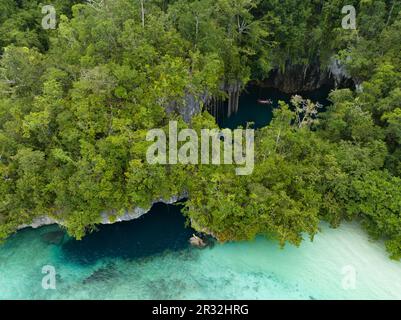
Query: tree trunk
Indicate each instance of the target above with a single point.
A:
(143, 13)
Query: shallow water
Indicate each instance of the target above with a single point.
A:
(149, 258)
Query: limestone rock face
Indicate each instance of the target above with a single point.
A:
(188, 107)
(107, 217)
(298, 78)
(197, 242)
(338, 72)
(110, 217)
(39, 222)
(301, 78)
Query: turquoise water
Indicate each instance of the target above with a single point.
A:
(149, 258)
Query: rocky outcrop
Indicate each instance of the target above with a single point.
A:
(107, 217)
(196, 241)
(338, 72)
(202, 230)
(226, 105)
(303, 78)
(39, 222)
(189, 107)
(233, 90)
(298, 78)
(110, 217)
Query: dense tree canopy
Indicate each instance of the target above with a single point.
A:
(76, 104)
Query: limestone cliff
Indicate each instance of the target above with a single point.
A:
(301, 78)
(106, 217)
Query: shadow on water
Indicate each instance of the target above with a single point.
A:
(250, 110)
(162, 228)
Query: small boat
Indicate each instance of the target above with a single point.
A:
(265, 101)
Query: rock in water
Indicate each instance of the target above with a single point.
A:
(197, 242)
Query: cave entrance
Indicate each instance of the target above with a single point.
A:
(256, 105)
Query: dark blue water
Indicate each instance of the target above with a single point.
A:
(162, 228)
(250, 110)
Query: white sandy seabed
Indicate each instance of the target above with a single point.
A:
(259, 269)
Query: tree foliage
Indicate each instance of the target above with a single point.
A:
(76, 104)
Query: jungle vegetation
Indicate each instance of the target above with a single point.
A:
(76, 103)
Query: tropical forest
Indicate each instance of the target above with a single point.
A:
(82, 83)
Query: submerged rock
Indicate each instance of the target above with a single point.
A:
(101, 275)
(54, 237)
